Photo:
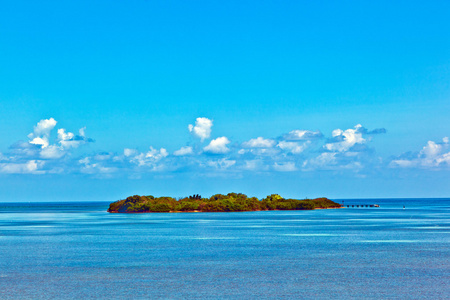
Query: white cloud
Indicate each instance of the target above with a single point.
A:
(69, 140)
(202, 128)
(432, 155)
(259, 142)
(431, 150)
(145, 159)
(81, 131)
(333, 161)
(52, 152)
(402, 163)
(345, 150)
(41, 133)
(156, 154)
(221, 163)
(41, 141)
(344, 140)
(263, 152)
(183, 151)
(104, 156)
(42, 146)
(43, 127)
(30, 167)
(89, 167)
(63, 136)
(271, 152)
(293, 147)
(218, 146)
(299, 135)
(443, 159)
(323, 160)
(284, 167)
(130, 152)
(254, 165)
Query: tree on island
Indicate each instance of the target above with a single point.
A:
(231, 202)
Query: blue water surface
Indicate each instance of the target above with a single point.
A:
(78, 250)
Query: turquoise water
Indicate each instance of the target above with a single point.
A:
(78, 250)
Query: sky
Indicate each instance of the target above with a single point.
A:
(100, 100)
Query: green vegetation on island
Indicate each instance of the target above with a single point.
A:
(216, 203)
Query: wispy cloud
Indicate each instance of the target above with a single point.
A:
(259, 142)
(184, 151)
(301, 135)
(293, 147)
(285, 167)
(148, 158)
(29, 167)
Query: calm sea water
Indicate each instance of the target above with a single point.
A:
(78, 250)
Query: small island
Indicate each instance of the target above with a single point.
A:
(231, 202)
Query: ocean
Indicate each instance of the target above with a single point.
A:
(79, 251)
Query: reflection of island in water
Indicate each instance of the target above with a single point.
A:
(216, 203)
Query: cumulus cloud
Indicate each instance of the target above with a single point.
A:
(301, 135)
(43, 127)
(293, 147)
(40, 154)
(345, 149)
(184, 151)
(344, 140)
(218, 146)
(202, 128)
(41, 133)
(69, 140)
(40, 141)
(432, 155)
(259, 142)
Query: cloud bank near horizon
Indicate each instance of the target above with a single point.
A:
(300, 150)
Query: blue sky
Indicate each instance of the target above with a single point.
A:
(343, 100)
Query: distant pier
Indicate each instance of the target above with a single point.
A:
(360, 205)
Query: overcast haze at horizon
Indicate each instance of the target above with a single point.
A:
(102, 100)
